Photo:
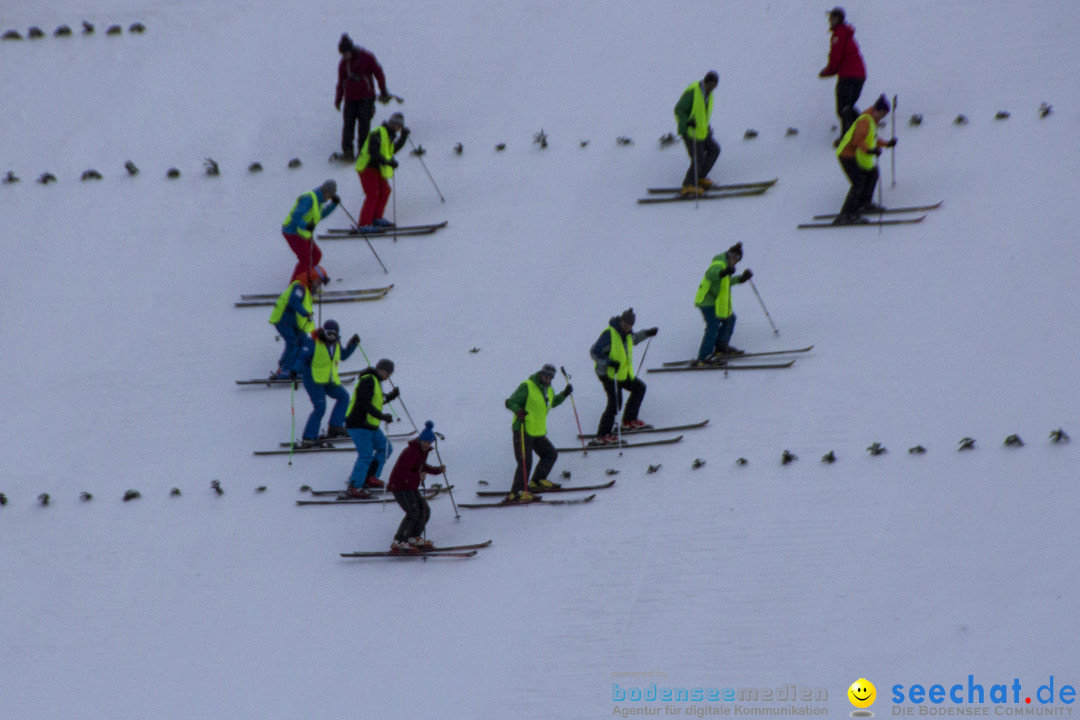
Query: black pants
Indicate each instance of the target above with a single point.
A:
(708, 150)
(847, 94)
(357, 114)
(417, 512)
(543, 449)
(863, 183)
(614, 389)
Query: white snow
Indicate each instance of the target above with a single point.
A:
(122, 345)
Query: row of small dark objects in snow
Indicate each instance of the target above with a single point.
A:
(36, 33)
(212, 168)
(787, 457)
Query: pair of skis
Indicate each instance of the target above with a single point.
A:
(713, 192)
(396, 231)
(334, 497)
(324, 296)
(448, 551)
(325, 445)
(547, 491)
(875, 223)
(733, 362)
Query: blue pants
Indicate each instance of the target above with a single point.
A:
(290, 356)
(717, 332)
(318, 394)
(372, 450)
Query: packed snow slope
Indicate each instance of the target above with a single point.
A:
(122, 346)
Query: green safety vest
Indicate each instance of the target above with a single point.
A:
(324, 369)
(722, 305)
(306, 324)
(864, 159)
(376, 400)
(386, 152)
(700, 111)
(311, 217)
(537, 405)
(623, 353)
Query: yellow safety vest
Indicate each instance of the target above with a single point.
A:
(722, 306)
(386, 152)
(324, 369)
(700, 111)
(306, 324)
(623, 353)
(311, 217)
(376, 400)
(865, 160)
(537, 405)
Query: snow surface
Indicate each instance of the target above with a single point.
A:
(122, 346)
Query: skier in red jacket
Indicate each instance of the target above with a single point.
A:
(846, 63)
(358, 72)
(405, 481)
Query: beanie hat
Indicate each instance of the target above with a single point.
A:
(548, 369)
(628, 317)
(331, 327)
(736, 250)
(882, 104)
(838, 12)
(346, 44)
(397, 118)
(329, 189)
(386, 366)
(428, 433)
(712, 77)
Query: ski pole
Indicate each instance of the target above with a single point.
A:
(403, 404)
(576, 418)
(696, 194)
(370, 246)
(424, 164)
(524, 462)
(292, 410)
(892, 150)
(767, 315)
(393, 196)
(643, 354)
(449, 487)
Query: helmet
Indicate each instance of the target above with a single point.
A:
(331, 329)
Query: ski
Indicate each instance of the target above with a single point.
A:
(324, 300)
(564, 488)
(276, 382)
(890, 211)
(718, 187)
(435, 550)
(870, 224)
(380, 498)
(620, 446)
(326, 442)
(414, 555)
(324, 293)
(670, 428)
(325, 447)
(707, 196)
(808, 348)
(401, 231)
(724, 366)
(538, 501)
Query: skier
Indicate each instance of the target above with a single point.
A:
(858, 152)
(362, 418)
(321, 355)
(292, 317)
(530, 404)
(714, 299)
(613, 354)
(692, 113)
(357, 73)
(405, 481)
(846, 63)
(375, 166)
(299, 225)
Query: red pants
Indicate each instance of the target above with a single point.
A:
(307, 252)
(376, 194)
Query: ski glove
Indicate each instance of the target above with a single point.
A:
(727, 271)
(405, 133)
(387, 418)
(354, 340)
(746, 275)
(384, 98)
(651, 332)
(392, 162)
(891, 142)
(521, 414)
(393, 394)
(567, 390)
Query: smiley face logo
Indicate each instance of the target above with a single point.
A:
(862, 693)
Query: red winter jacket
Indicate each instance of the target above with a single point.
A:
(354, 77)
(845, 61)
(410, 463)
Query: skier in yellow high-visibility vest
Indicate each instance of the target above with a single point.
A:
(692, 113)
